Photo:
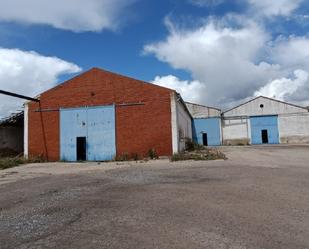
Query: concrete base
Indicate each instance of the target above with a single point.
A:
(243, 141)
(295, 140)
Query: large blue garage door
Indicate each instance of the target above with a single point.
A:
(87, 133)
(264, 130)
(206, 131)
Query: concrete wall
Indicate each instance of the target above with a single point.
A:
(200, 111)
(294, 128)
(236, 131)
(184, 125)
(270, 107)
(11, 137)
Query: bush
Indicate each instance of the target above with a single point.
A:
(152, 154)
(192, 145)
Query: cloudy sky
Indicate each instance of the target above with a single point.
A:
(214, 52)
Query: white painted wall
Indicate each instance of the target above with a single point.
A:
(184, 125)
(200, 111)
(236, 130)
(181, 123)
(271, 107)
(26, 111)
(294, 128)
(174, 123)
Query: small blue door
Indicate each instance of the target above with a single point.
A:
(264, 130)
(95, 126)
(206, 131)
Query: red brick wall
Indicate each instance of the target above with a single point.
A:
(138, 128)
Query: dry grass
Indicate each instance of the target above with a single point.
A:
(9, 162)
(199, 155)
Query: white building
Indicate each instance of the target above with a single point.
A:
(264, 120)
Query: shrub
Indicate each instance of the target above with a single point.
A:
(192, 145)
(152, 154)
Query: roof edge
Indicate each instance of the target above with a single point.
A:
(203, 106)
(102, 70)
(261, 96)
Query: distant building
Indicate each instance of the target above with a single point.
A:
(265, 121)
(261, 120)
(206, 127)
(100, 115)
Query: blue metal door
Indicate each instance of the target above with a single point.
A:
(207, 127)
(101, 134)
(73, 125)
(264, 125)
(96, 124)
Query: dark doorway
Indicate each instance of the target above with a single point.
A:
(81, 148)
(205, 139)
(264, 136)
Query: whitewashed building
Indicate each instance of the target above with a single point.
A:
(261, 120)
(265, 121)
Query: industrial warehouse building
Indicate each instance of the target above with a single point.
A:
(261, 120)
(99, 115)
(206, 125)
(265, 121)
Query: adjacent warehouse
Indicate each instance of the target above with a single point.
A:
(261, 120)
(99, 115)
(206, 126)
(265, 121)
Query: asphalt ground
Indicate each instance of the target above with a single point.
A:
(258, 198)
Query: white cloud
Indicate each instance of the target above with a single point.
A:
(184, 87)
(288, 88)
(274, 7)
(75, 15)
(220, 57)
(291, 52)
(28, 73)
(232, 63)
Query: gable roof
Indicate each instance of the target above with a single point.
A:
(95, 70)
(272, 99)
(210, 107)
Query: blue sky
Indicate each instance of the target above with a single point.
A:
(214, 52)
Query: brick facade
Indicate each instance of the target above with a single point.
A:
(138, 127)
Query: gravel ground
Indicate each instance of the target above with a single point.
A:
(259, 198)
